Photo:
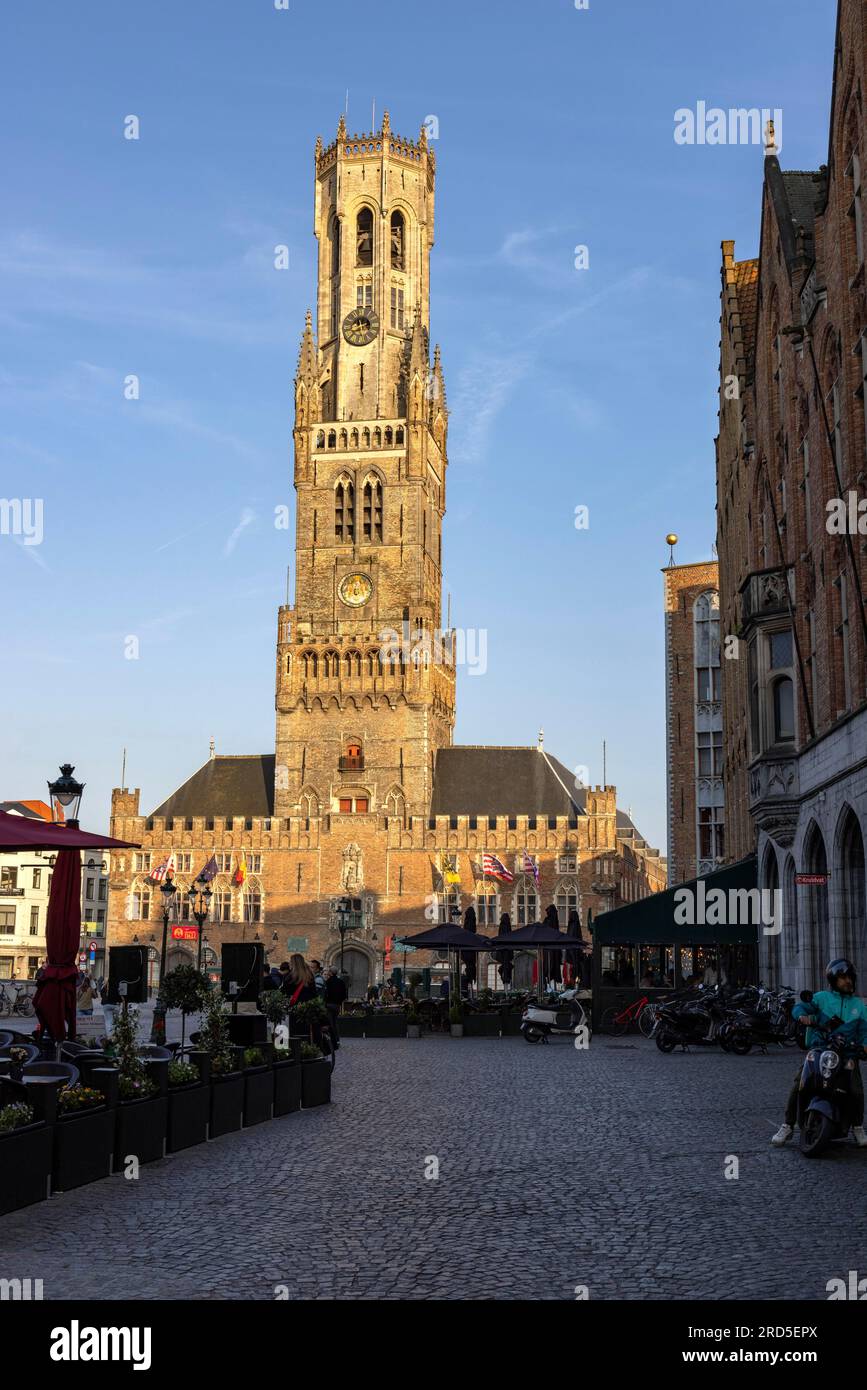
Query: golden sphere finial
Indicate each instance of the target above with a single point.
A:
(671, 539)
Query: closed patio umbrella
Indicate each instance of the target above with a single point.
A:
(572, 958)
(469, 958)
(552, 959)
(54, 998)
(505, 958)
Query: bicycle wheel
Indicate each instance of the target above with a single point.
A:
(24, 1006)
(647, 1020)
(614, 1021)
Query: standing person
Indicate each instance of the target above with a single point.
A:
(299, 983)
(85, 996)
(839, 1001)
(318, 977)
(335, 997)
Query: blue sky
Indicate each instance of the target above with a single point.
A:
(566, 387)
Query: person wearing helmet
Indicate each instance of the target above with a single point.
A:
(838, 1001)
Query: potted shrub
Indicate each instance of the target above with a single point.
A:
(275, 1006)
(315, 1076)
(83, 1138)
(413, 1021)
(227, 1078)
(258, 1086)
(456, 1020)
(353, 1019)
(287, 1079)
(305, 1018)
(25, 1157)
(141, 1110)
(483, 1021)
(187, 989)
(189, 1107)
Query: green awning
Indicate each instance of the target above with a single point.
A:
(694, 913)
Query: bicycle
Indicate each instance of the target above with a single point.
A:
(641, 1014)
(22, 1004)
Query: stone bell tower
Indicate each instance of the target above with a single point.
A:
(365, 676)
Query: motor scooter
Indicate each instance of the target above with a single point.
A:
(557, 1017)
(826, 1104)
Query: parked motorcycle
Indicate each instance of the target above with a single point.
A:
(557, 1017)
(763, 1020)
(826, 1104)
(694, 1021)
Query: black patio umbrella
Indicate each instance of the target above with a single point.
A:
(468, 958)
(572, 958)
(538, 936)
(504, 958)
(448, 937)
(553, 959)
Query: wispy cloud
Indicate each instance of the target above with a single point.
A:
(483, 387)
(248, 516)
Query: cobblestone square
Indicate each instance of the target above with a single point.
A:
(557, 1168)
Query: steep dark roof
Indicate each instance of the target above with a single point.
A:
(503, 782)
(225, 786)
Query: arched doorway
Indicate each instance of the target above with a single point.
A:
(175, 956)
(815, 903)
(356, 966)
(850, 936)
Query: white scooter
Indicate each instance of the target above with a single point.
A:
(558, 1016)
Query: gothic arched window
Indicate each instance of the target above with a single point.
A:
(344, 510)
(398, 238)
(335, 246)
(364, 238)
(372, 515)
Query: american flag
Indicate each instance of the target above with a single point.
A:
(530, 867)
(164, 870)
(493, 866)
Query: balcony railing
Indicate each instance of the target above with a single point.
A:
(7, 892)
(347, 763)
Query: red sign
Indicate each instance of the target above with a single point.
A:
(811, 880)
(185, 933)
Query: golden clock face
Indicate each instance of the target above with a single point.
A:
(355, 589)
(361, 327)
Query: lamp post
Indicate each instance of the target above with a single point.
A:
(201, 894)
(344, 908)
(168, 889)
(65, 792)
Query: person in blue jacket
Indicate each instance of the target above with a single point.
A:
(840, 1001)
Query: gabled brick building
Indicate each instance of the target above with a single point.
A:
(365, 796)
(792, 450)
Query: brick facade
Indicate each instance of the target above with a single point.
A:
(791, 439)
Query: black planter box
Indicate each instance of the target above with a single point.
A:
(258, 1095)
(481, 1026)
(315, 1084)
(227, 1103)
(248, 1030)
(287, 1088)
(25, 1166)
(83, 1148)
(349, 1027)
(385, 1026)
(510, 1025)
(189, 1114)
(141, 1131)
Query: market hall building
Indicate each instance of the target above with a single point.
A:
(364, 796)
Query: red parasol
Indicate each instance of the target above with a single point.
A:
(54, 999)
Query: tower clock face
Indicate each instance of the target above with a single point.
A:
(355, 590)
(361, 327)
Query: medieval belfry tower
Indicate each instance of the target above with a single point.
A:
(365, 691)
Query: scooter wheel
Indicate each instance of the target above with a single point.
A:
(665, 1042)
(816, 1134)
(740, 1044)
(533, 1035)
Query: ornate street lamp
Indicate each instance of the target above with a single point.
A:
(65, 792)
(344, 909)
(201, 894)
(168, 889)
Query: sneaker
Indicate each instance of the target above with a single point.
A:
(860, 1136)
(784, 1134)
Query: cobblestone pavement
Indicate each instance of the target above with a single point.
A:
(556, 1168)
